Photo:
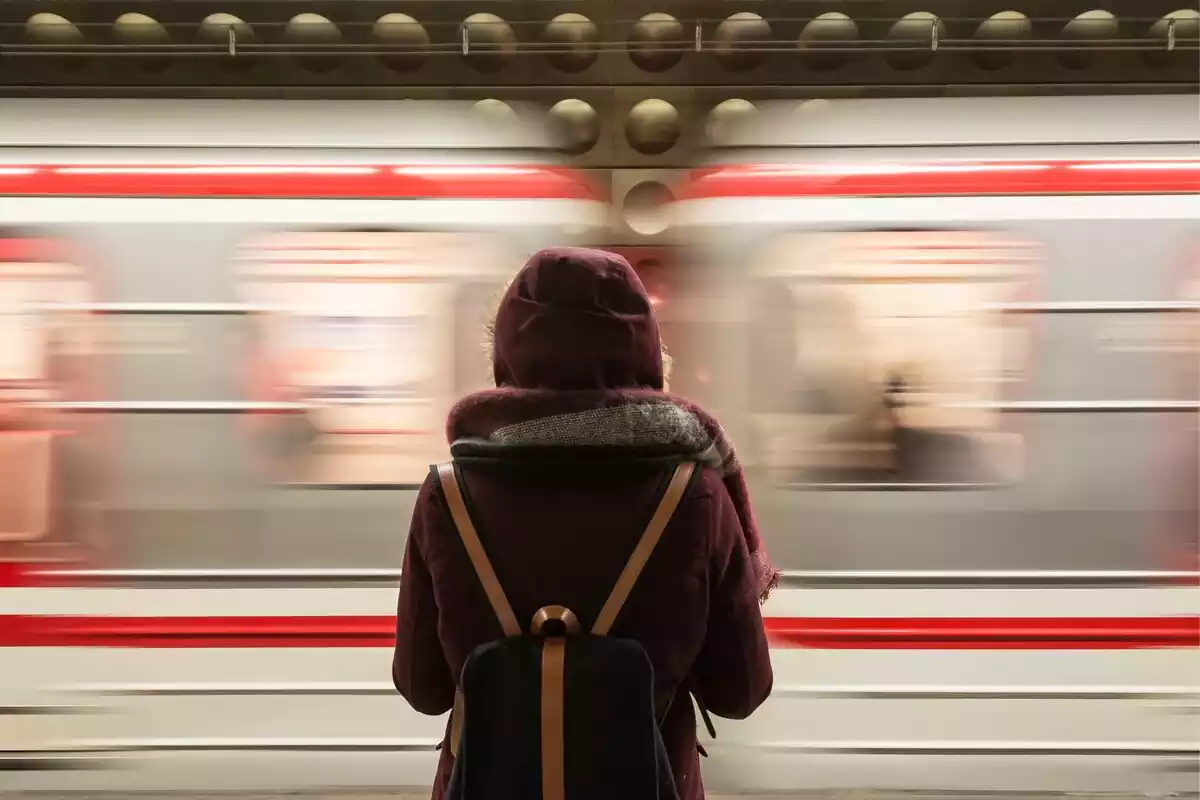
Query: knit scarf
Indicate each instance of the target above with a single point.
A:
(614, 419)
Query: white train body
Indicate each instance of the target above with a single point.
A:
(1031, 630)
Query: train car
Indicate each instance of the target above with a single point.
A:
(952, 340)
(1011, 617)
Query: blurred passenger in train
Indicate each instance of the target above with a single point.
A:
(562, 463)
(925, 454)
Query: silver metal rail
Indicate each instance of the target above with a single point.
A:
(851, 747)
(1083, 406)
(208, 406)
(789, 579)
(243, 406)
(992, 578)
(1181, 694)
(354, 574)
(955, 486)
(156, 309)
(198, 744)
(171, 407)
(931, 692)
(998, 748)
(1098, 307)
(317, 689)
(240, 309)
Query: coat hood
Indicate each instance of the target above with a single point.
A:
(576, 319)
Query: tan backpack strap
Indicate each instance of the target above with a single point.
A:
(553, 707)
(448, 479)
(645, 547)
(456, 716)
(479, 560)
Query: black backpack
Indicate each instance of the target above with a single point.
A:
(551, 712)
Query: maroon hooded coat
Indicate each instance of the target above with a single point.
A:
(576, 331)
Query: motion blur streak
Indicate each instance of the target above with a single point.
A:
(964, 375)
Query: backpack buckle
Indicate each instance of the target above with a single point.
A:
(558, 618)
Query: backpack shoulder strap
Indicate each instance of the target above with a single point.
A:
(645, 547)
(452, 491)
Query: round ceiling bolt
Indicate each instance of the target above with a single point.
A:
(1090, 29)
(656, 42)
(315, 31)
(490, 42)
(230, 33)
(812, 107)
(574, 126)
(52, 30)
(496, 112)
(998, 33)
(407, 36)
(823, 36)
(919, 31)
(1177, 31)
(141, 30)
(740, 40)
(652, 127)
(726, 118)
(646, 208)
(575, 41)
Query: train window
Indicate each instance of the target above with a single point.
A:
(881, 357)
(43, 348)
(363, 334)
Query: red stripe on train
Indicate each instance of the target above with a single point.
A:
(316, 181)
(946, 178)
(785, 632)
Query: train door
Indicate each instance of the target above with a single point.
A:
(371, 334)
(44, 350)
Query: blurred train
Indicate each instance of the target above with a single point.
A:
(956, 340)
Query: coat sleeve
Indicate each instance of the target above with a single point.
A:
(419, 668)
(732, 675)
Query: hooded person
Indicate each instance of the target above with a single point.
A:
(562, 496)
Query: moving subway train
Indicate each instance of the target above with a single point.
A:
(958, 351)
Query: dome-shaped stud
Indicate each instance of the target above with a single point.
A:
(656, 42)
(137, 31)
(315, 32)
(652, 127)
(489, 42)
(919, 32)
(575, 42)
(823, 36)
(574, 126)
(726, 118)
(646, 208)
(997, 33)
(1177, 33)
(53, 30)
(406, 40)
(229, 33)
(1088, 32)
(740, 41)
(496, 112)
